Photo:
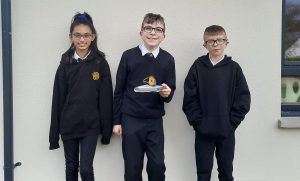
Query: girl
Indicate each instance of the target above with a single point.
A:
(82, 100)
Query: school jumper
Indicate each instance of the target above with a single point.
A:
(81, 110)
(216, 100)
(140, 114)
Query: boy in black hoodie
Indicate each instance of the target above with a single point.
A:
(216, 100)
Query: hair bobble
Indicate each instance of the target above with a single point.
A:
(81, 18)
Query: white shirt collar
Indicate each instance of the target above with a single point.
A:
(217, 61)
(145, 51)
(76, 56)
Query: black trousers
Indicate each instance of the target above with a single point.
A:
(205, 148)
(86, 146)
(142, 136)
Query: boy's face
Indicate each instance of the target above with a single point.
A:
(215, 44)
(152, 35)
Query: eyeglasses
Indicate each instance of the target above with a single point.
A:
(78, 36)
(149, 29)
(218, 41)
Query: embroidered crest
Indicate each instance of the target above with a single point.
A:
(95, 75)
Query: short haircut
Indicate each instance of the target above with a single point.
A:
(214, 30)
(151, 18)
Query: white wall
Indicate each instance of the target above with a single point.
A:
(40, 35)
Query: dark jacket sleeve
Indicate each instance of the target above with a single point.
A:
(241, 99)
(105, 104)
(170, 81)
(191, 106)
(58, 99)
(119, 90)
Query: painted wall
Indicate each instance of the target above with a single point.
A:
(40, 36)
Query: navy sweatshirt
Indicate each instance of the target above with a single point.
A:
(132, 70)
(216, 98)
(82, 99)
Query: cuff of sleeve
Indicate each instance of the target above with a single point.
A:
(166, 99)
(194, 122)
(116, 122)
(236, 123)
(54, 146)
(236, 120)
(105, 141)
(196, 126)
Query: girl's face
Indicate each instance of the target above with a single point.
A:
(82, 38)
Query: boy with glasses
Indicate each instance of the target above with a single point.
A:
(138, 109)
(216, 100)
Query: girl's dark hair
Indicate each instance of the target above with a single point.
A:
(85, 19)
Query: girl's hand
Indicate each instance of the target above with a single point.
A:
(117, 129)
(166, 90)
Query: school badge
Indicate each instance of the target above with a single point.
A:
(95, 75)
(150, 85)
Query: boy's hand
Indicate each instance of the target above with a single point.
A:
(117, 129)
(165, 92)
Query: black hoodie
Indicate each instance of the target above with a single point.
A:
(216, 98)
(82, 99)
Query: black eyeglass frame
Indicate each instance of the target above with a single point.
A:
(84, 36)
(156, 29)
(224, 40)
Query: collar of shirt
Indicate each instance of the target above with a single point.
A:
(76, 56)
(217, 61)
(145, 51)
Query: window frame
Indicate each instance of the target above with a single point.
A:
(288, 69)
